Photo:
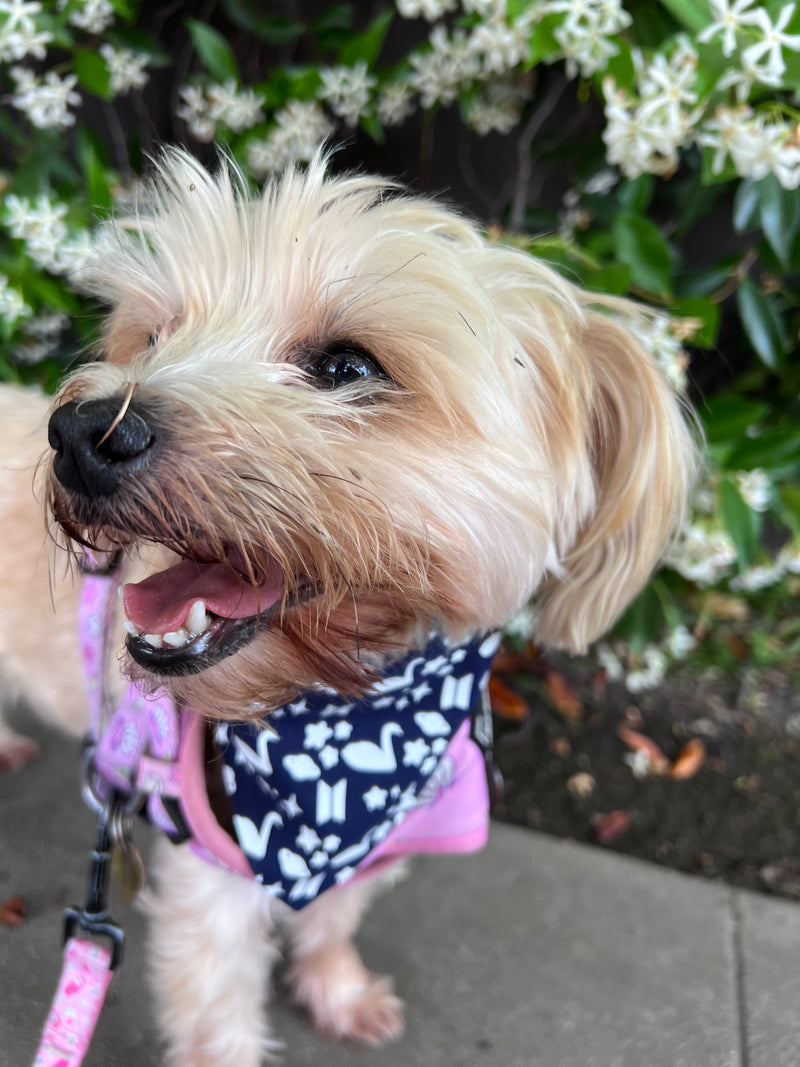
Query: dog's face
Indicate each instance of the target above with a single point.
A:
(346, 417)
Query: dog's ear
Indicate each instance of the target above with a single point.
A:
(643, 461)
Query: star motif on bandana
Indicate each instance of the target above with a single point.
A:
(308, 840)
(317, 735)
(414, 752)
(375, 798)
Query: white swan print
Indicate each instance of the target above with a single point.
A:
(370, 758)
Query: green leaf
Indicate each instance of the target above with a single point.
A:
(745, 205)
(635, 194)
(704, 281)
(707, 311)
(729, 418)
(542, 44)
(366, 47)
(772, 449)
(643, 623)
(614, 279)
(695, 15)
(371, 125)
(93, 73)
(790, 506)
(780, 215)
(742, 523)
(126, 9)
(93, 159)
(275, 29)
(215, 53)
(760, 321)
(641, 245)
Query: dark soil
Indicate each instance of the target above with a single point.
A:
(735, 818)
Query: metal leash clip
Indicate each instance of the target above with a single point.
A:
(94, 918)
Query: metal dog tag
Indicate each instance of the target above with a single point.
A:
(127, 864)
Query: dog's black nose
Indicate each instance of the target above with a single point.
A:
(91, 461)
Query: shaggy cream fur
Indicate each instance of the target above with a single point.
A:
(513, 441)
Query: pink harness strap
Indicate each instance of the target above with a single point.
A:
(76, 1006)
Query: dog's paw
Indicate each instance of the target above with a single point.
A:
(344, 1000)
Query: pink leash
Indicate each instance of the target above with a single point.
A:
(76, 1005)
(88, 965)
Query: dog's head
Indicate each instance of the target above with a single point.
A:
(347, 417)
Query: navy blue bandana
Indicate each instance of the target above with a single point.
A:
(314, 796)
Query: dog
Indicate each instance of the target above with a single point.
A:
(333, 439)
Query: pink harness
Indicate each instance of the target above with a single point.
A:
(151, 753)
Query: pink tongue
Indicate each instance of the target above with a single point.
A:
(160, 603)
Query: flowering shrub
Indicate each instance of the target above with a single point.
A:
(672, 128)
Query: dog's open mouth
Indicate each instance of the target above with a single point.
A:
(183, 619)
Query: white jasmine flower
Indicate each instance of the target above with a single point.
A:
(40, 338)
(610, 663)
(301, 127)
(395, 103)
(238, 109)
(40, 224)
(126, 67)
(601, 183)
(762, 576)
(427, 9)
(656, 334)
(703, 554)
(758, 149)
(439, 74)
(72, 255)
(755, 488)
(485, 8)
(730, 16)
(680, 642)
(347, 90)
(501, 47)
(19, 36)
(12, 305)
(45, 101)
(774, 40)
(584, 33)
(522, 625)
(195, 113)
(652, 672)
(789, 557)
(94, 16)
(497, 109)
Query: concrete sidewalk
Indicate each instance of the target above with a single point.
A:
(534, 953)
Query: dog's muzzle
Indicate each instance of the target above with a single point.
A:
(92, 459)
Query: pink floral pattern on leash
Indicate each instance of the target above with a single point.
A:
(76, 1005)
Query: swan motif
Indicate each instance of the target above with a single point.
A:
(368, 757)
(253, 840)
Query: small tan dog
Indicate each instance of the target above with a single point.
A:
(340, 420)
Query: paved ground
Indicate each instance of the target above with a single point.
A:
(534, 953)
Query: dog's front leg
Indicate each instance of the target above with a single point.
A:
(211, 950)
(329, 979)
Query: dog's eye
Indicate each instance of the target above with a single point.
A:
(342, 365)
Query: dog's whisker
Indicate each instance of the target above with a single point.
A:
(120, 414)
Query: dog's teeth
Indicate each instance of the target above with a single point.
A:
(131, 628)
(176, 638)
(154, 640)
(197, 622)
